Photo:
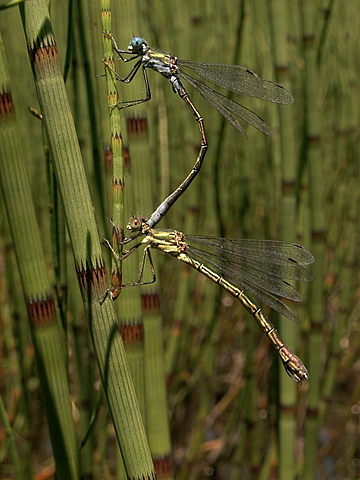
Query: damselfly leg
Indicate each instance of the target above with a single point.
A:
(114, 291)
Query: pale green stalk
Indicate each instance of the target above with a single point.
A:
(317, 218)
(289, 164)
(118, 183)
(46, 335)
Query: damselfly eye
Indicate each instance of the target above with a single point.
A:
(136, 44)
(136, 222)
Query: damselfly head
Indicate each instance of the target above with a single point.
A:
(137, 45)
(136, 222)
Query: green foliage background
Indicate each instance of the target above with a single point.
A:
(233, 413)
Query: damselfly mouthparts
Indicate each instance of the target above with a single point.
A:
(234, 78)
(257, 266)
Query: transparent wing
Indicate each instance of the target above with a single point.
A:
(228, 108)
(257, 266)
(240, 80)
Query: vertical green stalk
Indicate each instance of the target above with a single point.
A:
(84, 238)
(129, 307)
(46, 335)
(11, 438)
(141, 167)
(116, 150)
(316, 176)
(157, 422)
(288, 389)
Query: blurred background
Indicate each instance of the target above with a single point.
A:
(232, 410)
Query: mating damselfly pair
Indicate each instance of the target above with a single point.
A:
(257, 266)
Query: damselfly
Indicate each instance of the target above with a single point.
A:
(234, 78)
(258, 266)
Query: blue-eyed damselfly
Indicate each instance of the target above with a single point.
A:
(234, 78)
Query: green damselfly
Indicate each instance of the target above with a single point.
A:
(257, 266)
(234, 78)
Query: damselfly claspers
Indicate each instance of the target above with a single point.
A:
(258, 266)
(234, 78)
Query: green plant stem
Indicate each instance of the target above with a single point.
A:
(11, 441)
(288, 160)
(84, 238)
(118, 183)
(317, 218)
(46, 336)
